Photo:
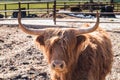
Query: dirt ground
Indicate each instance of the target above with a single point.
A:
(20, 59)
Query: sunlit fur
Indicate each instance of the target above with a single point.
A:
(87, 56)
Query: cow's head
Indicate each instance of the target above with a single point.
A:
(61, 46)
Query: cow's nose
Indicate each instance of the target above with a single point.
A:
(58, 64)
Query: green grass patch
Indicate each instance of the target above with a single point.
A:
(10, 6)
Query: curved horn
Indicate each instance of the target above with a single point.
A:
(89, 29)
(26, 30)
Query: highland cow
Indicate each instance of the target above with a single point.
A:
(75, 54)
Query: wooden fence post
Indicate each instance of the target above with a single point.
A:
(64, 5)
(54, 12)
(79, 6)
(19, 5)
(47, 7)
(5, 10)
(28, 7)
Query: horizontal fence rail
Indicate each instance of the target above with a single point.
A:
(118, 13)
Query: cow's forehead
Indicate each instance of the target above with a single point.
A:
(59, 32)
(59, 36)
(51, 34)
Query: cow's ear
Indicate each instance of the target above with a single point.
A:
(80, 39)
(40, 40)
(81, 43)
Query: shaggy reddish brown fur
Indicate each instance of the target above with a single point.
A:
(87, 56)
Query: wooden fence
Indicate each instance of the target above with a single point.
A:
(65, 4)
(27, 4)
(85, 8)
(52, 7)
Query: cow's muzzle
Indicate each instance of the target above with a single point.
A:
(58, 65)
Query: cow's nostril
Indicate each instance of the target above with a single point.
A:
(53, 65)
(61, 66)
